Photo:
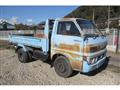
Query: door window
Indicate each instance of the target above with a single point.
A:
(68, 28)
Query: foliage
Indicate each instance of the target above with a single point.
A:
(100, 14)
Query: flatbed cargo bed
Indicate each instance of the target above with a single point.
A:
(31, 41)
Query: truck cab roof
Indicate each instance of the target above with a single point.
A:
(71, 19)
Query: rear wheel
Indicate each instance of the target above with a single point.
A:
(62, 67)
(22, 55)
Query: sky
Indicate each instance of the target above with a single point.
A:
(34, 14)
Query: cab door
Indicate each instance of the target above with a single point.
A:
(67, 41)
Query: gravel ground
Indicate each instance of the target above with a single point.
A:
(12, 72)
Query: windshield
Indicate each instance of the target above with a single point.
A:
(88, 27)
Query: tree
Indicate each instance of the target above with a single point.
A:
(100, 14)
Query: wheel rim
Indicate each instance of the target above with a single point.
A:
(61, 67)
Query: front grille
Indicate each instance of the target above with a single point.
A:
(100, 57)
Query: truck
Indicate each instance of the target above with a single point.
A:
(70, 44)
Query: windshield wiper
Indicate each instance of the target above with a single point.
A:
(90, 35)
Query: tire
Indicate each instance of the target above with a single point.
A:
(62, 67)
(22, 56)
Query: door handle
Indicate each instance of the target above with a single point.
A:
(55, 45)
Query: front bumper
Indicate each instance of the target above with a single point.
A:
(87, 68)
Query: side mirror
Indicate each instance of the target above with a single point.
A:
(107, 31)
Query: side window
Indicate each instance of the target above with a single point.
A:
(67, 28)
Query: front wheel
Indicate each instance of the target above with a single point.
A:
(63, 67)
(22, 55)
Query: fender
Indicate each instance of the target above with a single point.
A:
(75, 64)
(22, 46)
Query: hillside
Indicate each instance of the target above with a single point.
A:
(100, 14)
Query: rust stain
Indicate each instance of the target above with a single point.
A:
(76, 64)
(75, 47)
(67, 52)
(94, 48)
(91, 48)
(88, 48)
(39, 35)
(66, 49)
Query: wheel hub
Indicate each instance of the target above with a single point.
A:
(61, 67)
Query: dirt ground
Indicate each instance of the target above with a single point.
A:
(12, 72)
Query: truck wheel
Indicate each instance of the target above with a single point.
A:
(22, 55)
(62, 67)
